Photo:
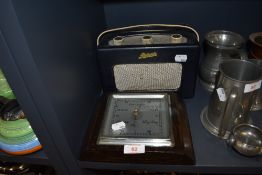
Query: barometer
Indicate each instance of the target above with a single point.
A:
(137, 118)
(153, 122)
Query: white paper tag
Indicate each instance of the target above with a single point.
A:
(118, 126)
(252, 86)
(221, 94)
(181, 58)
(134, 149)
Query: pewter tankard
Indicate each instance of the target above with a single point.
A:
(229, 105)
(218, 46)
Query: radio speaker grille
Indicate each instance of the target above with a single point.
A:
(160, 76)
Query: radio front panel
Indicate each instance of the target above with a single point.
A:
(185, 55)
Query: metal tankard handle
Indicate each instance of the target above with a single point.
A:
(227, 112)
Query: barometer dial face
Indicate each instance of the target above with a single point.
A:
(144, 119)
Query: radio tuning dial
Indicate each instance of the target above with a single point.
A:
(147, 39)
(176, 38)
(118, 40)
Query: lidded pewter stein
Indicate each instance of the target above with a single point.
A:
(231, 101)
(219, 45)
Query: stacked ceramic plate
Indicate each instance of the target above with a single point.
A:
(16, 134)
(17, 137)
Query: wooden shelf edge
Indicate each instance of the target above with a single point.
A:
(38, 157)
(171, 168)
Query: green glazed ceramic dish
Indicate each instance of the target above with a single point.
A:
(5, 89)
(7, 93)
(18, 140)
(17, 128)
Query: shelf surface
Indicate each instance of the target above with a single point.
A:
(38, 157)
(212, 154)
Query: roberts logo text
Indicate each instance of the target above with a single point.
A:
(145, 55)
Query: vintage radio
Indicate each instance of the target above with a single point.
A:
(149, 57)
(145, 71)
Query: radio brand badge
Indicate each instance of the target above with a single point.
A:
(145, 55)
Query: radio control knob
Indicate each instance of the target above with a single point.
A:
(147, 39)
(176, 38)
(118, 40)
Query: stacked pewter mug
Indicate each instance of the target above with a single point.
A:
(219, 45)
(237, 86)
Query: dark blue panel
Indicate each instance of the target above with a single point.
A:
(61, 37)
(53, 53)
(241, 16)
(17, 83)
